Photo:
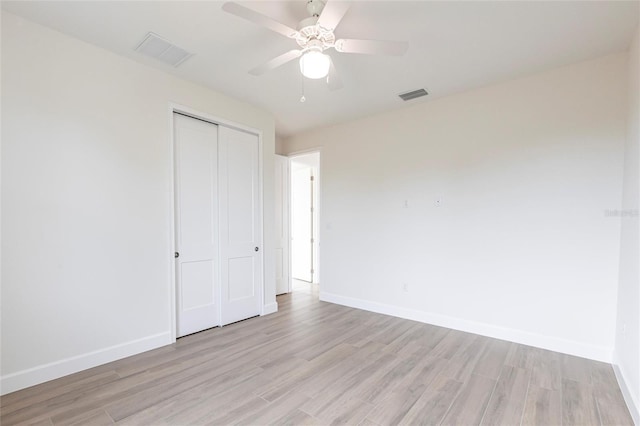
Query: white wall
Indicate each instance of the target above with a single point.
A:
(520, 247)
(279, 145)
(627, 345)
(86, 198)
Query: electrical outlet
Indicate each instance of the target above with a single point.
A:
(624, 330)
(405, 287)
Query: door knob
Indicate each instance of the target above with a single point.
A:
(176, 255)
(256, 249)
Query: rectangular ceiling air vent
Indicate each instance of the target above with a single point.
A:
(413, 94)
(157, 47)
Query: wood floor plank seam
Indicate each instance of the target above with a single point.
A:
(526, 394)
(598, 410)
(446, 412)
(489, 399)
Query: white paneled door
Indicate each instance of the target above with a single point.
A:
(196, 159)
(218, 225)
(281, 177)
(240, 225)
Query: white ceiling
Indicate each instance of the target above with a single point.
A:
(454, 46)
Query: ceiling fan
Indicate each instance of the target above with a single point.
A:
(314, 36)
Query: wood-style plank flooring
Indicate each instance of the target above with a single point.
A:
(319, 363)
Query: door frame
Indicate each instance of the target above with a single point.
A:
(318, 183)
(173, 288)
(286, 197)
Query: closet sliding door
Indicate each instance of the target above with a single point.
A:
(218, 225)
(196, 216)
(240, 225)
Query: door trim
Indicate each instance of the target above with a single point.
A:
(185, 110)
(286, 197)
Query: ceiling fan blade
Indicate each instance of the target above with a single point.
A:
(259, 18)
(372, 47)
(333, 79)
(333, 13)
(276, 62)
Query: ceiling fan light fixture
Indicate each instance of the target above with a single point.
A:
(314, 64)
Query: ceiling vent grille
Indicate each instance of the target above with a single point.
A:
(155, 46)
(413, 94)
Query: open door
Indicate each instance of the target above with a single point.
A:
(304, 170)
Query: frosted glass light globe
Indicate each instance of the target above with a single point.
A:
(314, 64)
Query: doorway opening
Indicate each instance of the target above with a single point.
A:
(305, 215)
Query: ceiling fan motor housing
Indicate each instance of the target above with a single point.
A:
(309, 31)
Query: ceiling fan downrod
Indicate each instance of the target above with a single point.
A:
(315, 7)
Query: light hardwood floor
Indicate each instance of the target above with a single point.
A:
(318, 363)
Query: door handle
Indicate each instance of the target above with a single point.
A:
(256, 249)
(176, 255)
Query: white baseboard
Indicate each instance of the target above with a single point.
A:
(270, 308)
(631, 398)
(43, 373)
(570, 347)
